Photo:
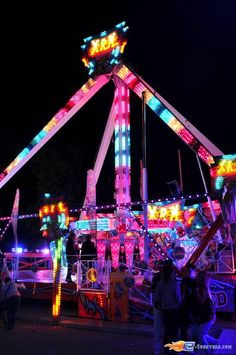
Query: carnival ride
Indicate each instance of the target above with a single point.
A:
(173, 230)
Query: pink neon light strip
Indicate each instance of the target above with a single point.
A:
(72, 106)
(163, 112)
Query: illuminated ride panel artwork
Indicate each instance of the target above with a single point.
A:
(176, 228)
(104, 50)
(58, 213)
(223, 171)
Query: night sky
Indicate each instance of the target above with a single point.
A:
(186, 50)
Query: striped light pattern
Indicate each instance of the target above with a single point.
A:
(54, 252)
(115, 247)
(219, 183)
(57, 264)
(122, 142)
(5, 229)
(55, 220)
(101, 248)
(51, 124)
(164, 113)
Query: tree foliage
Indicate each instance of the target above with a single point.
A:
(60, 172)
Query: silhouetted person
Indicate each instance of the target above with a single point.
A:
(122, 256)
(205, 314)
(88, 250)
(157, 313)
(12, 299)
(108, 254)
(167, 299)
(2, 259)
(2, 303)
(70, 255)
(136, 255)
(188, 289)
(88, 253)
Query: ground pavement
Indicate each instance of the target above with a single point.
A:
(34, 334)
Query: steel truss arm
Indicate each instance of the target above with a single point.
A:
(72, 106)
(106, 139)
(202, 146)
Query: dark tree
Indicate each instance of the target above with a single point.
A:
(60, 172)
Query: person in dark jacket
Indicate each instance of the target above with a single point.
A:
(70, 255)
(157, 313)
(2, 304)
(2, 260)
(88, 253)
(88, 250)
(205, 314)
(188, 289)
(168, 299)
(12, 298)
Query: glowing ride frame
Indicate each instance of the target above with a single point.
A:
(103, 54)
(204, 148)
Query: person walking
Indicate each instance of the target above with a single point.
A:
(2, 303)
(2, 262)
(188, 287)
(12, 299)
(168, 300)
(157, 313)
(205, 314)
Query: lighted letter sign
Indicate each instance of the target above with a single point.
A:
(224, 169)
(103, 51)
(58, 213)
(102, 45)
(170, 213)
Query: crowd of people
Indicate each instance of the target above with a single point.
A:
(9, 296)
(183, 308)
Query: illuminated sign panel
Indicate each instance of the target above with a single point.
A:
(55, 212)
(104, 224)
(103, 51)
(104, 44)
(167, 215)
(222, 171)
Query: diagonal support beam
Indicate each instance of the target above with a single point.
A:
(106, 139)
(202, 146)
(206, 240)
(77, 101)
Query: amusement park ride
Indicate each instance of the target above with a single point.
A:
(203, 233)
